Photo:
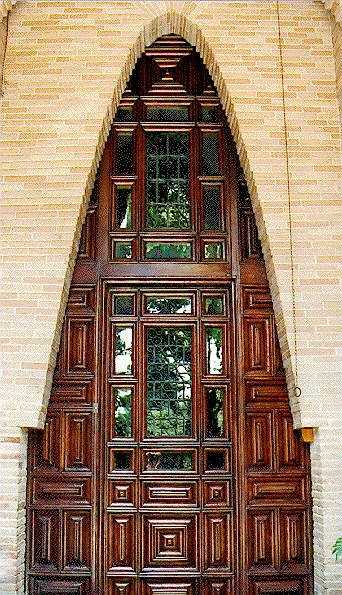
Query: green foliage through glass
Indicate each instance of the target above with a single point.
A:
(123, 250)
(123, 416)
(168, 198)
(123, 215)
(169, 369)
(213, 251)
(213, 305)
(169, 461)
(214, 398)
(123, 350)
(214, 350)
(168, 305)
(168, 250)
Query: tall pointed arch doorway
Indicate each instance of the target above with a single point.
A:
(168, 464)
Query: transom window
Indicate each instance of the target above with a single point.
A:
(171, 203)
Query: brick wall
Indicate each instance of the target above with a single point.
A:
(274, 65)
(335, 6)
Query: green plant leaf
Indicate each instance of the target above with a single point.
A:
(337, 548)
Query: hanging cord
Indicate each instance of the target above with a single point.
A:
(3, 53)
(298, 391)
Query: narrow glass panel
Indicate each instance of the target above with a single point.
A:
(213, 251)
(213, 305)
(168, 251)
(123, 250)
(214, 403)
(123, 211)
(122, 461)
(214, 350)
(212, 207)
(168, 305)
(168, 197)
(124, 114)
(167, 114)
(169, 460)
(123, 305)
(124, 153)
(209, 114)
(215, 460)
(210, 160)
(123, 350)
(169, 368)
(123, 414)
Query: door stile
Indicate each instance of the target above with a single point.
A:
(237, 370)
(240, 485)
(101, 450)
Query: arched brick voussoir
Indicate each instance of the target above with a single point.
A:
(40, 358)
(178, 23)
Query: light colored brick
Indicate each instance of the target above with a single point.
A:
(65, 68)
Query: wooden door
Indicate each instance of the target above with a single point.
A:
(168, 464)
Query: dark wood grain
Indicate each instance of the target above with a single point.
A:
(224, 509)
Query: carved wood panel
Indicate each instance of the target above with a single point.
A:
(121, 542)
(46, 539)
(43, 586)
(278, 491)
(77, 546)
(168, 464)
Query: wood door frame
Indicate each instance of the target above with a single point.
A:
(241, 271)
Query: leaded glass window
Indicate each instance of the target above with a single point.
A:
(123, 350)
(214, 404)
(123, 412)
(168, 305)
(212, 207)
(210, 157)
(214, 340)
(124, 153)
(168, 193)
(123, 211)
(168, 250)
(169, 381)
(167, 114)
(169, 461)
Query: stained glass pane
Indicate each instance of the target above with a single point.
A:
(169, 368)
(168, 250)
(212, 208)
(124, 154)
(123, 250)
(214, 350)
(123, 350)
(214, 401)
(213, 305)
(168, 305)
(168, 198)
(123, 305)
(122, 413)
(167, 114)
(213, 251)
(123, 213)
(210, 160)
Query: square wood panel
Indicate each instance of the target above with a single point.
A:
(170, 542)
